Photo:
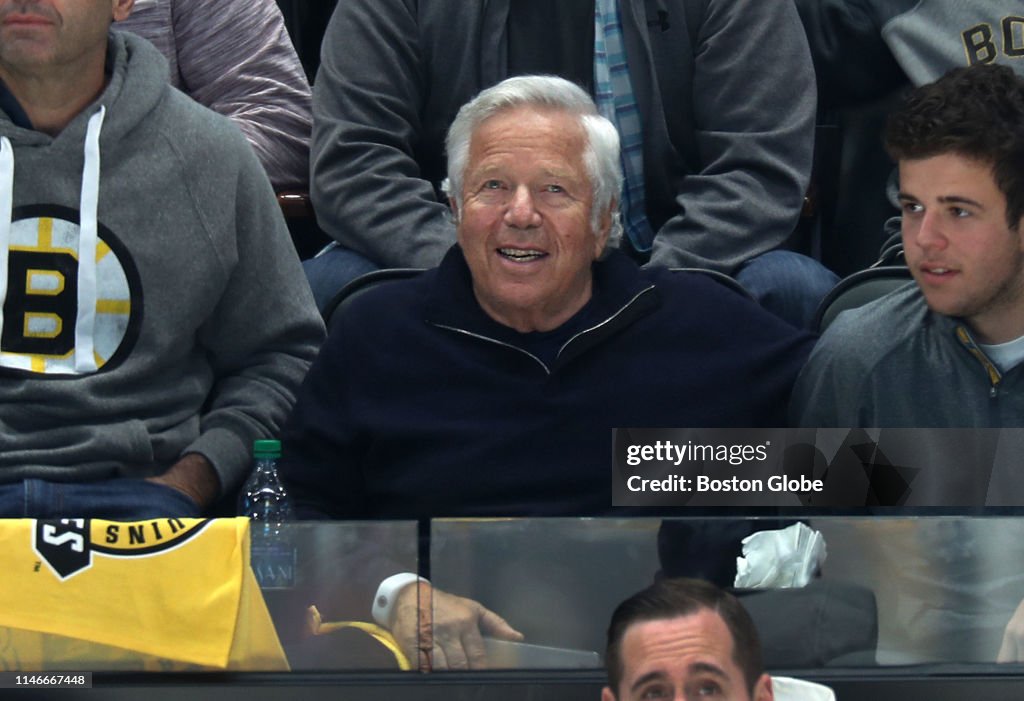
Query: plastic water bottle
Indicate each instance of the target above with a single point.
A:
(265, 501)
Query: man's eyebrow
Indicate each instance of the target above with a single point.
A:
(701, 667)
(944, 199)
(558, 173)
(709, 668)
(487, 168)
(958, 199)
(649, 677)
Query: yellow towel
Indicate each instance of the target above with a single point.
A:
(164, 594)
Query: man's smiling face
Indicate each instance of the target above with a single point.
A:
(525, 221)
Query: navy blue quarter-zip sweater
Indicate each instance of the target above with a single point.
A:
(421, 405)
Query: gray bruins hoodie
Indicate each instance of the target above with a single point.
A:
(151, 303)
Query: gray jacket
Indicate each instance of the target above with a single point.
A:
(725, 89)
(893, 363)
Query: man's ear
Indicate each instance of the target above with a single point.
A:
(763, 689)
(454, 207)
(607, 694)
(122, 8)
(604, 229)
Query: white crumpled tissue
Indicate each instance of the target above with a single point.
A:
(784, 558)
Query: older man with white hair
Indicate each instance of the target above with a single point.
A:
(490, 384)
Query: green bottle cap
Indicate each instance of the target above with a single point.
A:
(267, 448)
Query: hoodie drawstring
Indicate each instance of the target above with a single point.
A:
(6, 207)
(88, 238)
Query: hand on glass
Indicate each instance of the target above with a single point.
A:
(450, 639)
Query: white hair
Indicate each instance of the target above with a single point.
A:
(600, 155)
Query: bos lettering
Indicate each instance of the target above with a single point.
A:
(1013, 36)
(980, 41)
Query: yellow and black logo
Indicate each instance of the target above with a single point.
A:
(67, 545)
(40, 310)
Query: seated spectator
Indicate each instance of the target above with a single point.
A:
(155, 319)
(945, 350)
(490, 385)
(865, 52)
(716, 100)
(684, 639)
(235, 57)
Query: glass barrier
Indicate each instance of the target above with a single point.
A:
(556, 581)
(324, 619)
(926, 595)
(890, 591)
(178, 595)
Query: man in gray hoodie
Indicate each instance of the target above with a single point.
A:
(154, 319)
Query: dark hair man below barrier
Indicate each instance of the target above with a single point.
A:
(684, 639)
(946, 350)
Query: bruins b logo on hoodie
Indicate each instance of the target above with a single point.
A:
(44, 329)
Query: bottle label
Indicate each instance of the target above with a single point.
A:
(273, 563)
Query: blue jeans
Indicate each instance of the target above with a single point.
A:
(333, 268)
(114, 500)
(787, 284)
